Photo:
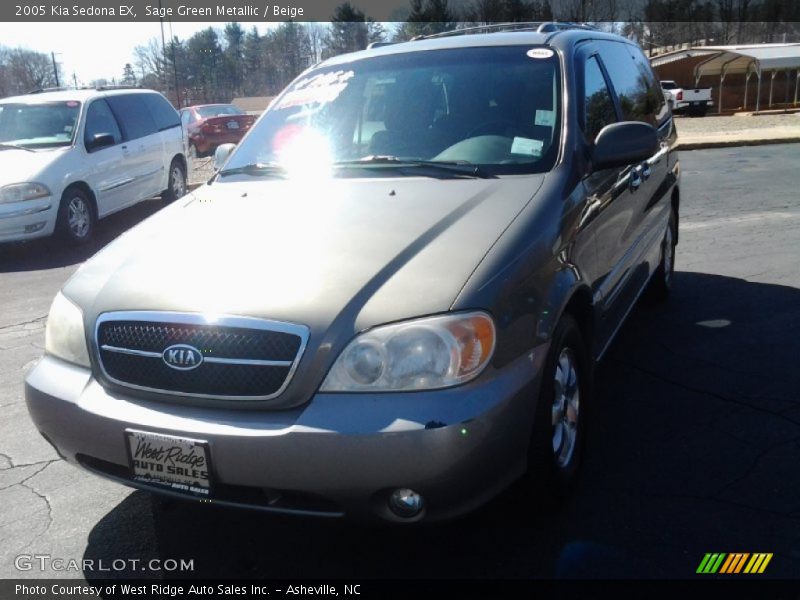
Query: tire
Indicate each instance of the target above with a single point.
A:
(661, 283)
(176, 186)
(76, 216)
(559, 429)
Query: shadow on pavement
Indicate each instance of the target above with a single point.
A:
(51, 252)
(693, 449)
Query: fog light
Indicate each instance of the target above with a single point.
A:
(405, 503)
(35, 227)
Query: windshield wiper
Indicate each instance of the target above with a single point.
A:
(256, 170)
(457, 167)
(14, 147)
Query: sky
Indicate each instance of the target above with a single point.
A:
(96, 50)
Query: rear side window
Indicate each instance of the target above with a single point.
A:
(133, 115)
(165, 116)
(100, 119)
(640, 97)
(598, 107)
(655, 96)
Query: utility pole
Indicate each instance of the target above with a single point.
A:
(75, 80)
(55, 68)
(174, 66)
(163, 47)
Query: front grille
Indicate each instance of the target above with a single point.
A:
(241, 357)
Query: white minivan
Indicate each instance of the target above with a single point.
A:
(71, 157)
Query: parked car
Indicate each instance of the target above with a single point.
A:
(695, 101)
(71, 157)
(210, 125)
(394, 324)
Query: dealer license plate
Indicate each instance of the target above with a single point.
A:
(233, 125)
(181, 464)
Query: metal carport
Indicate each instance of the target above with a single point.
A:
(745, 59)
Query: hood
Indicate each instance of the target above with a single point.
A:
(17, 166)
(358, 252)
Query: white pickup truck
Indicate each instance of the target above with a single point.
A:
(695, 101)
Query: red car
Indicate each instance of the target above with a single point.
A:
(210, 125)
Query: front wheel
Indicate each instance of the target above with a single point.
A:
(557, 440)
(76, 218)
(177, 182)
(661, 283)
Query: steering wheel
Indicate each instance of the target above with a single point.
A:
(492, 127)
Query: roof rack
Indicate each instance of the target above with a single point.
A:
(48, 89)
(101, 88)
(537, 26)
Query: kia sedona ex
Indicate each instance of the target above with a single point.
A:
(388, 301)
(71, 157)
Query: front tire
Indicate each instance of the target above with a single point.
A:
(661, 283)
(76, 216)
(557, 440)
(177, 182)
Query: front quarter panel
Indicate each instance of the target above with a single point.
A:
(530, 274)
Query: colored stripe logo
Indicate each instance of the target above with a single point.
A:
(733, 563)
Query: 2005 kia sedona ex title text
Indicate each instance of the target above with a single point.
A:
(388, 301)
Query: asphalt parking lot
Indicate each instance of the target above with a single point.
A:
(694, 449)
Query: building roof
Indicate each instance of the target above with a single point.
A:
(737, 59)
(252, 103)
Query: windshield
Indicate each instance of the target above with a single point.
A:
(217, 110)
(495, 107)
(39, 125)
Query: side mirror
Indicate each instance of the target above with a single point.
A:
(100, 140)
(221, 154)
(625, 143)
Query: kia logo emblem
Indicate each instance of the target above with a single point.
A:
(182, 357)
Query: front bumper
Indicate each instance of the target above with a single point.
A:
(338, 455)
(27, 220)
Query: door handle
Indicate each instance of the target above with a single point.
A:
(636, 179)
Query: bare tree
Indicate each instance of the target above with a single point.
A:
(317, 34)
(150, 59)
(22, 71)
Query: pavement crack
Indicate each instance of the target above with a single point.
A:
(44, 498)
(36, 320)
(760, 509)
(10, 461)
(44, 464)
(717, 395)
(702, 359)
(754, 465)
(33, 464)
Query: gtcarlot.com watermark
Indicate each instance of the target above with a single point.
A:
(48, 563)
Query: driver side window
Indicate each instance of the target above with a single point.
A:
(100, 119)
(598, 107)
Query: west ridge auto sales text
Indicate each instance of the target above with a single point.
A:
(154, 589)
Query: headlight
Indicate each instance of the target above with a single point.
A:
(19, 192)
(64, 336)
(423, 354)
